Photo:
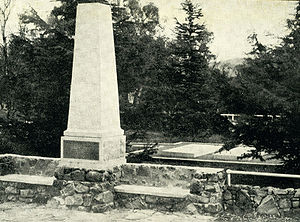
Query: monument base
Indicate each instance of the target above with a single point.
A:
(100, 149)
(91, 164)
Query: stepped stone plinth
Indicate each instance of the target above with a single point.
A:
(93, 131)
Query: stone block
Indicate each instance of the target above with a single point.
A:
(41, 198)
(213, 208)
(230, 202)
(280, 191)
(59, 184)
(191, 209)
(3, 196)
(108, 176)
(27, 193)
(268, 206)
(97, 188)
(150, 199)
(261, 192)
(52, 203)
(284, 203)
(217, 188)
(80, 188)
(94, 176)
(221, 176)
(200, 207)
(68, 190)
(215, 198)
(137, 202)
(26, 200)
(83, 208)
(41, 189)
(105, 197)
(198, 175)
(243, 200)
(55, 202)
(237, 210)
(11, 190)
(270, 190)
(227, 195)
(257, 199)
(87, 200)
(295, 203)
(196, 187)
(291, 191)
(198, 199)
(78, 175)
(12, 198)
(101, 208)
(210, 188)
(297, 194)
(67, 176)
(213, 178)
(75, 200)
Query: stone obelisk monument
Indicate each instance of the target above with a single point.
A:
(94, 131)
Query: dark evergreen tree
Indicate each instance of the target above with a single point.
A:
(268, 85)
(192, 105)
(36, 90)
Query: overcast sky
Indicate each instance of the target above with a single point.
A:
(231, 21)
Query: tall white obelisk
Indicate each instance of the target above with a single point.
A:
(94, 131)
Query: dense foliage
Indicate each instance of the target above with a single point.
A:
(166, 86)
(194, 86)
(268, 84)
(36, 82)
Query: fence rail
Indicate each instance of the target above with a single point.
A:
(233, 117)
(229, 172)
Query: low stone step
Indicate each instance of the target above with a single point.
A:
(145, 197)
(28, 179)
(27, 188)
(171, 192)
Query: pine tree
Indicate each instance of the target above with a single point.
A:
(269, 85)
(192, 100)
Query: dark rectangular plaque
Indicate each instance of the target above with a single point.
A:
(81, 150)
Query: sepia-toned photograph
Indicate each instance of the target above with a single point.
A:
(149, 110)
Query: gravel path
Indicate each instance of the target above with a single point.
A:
(19, 212)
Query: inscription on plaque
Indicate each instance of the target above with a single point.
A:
(81, 150)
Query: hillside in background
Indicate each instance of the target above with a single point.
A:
(230, 66)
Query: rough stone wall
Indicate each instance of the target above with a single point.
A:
(241, 199)
(28, 165)
(85, 190)
(139, 201)
(161, 175)
(205, 188)
(93, 190)
(28, 193)
(206, 192)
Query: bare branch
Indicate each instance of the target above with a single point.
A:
(5, 10)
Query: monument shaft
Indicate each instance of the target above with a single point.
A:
(94, 131)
